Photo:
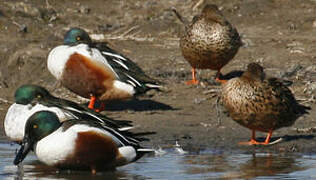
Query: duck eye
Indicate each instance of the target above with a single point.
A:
(35, 126)
(39, 96)
(78, 38)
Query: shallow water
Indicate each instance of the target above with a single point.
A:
(171, 164)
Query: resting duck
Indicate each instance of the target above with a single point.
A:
(209, 41)
(32, 98)
(93, 70)
(79, 144)
(260, 104)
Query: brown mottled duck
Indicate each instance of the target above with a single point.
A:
(259, 103)
(209, 41)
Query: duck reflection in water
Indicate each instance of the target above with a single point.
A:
(242, 166)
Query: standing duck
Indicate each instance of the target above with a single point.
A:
(32, 98)
(78, 144)
(209, 41)
(260, 104)
(93, 70)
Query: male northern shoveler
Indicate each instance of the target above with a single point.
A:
(93, 70)
(78, 143)
(260, 104)
(209, 41)
(32, 98)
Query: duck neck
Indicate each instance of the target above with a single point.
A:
(248, 76)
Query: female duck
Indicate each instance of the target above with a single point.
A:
(93, 70)
(260, 104)
(209, 42)
(78, 144)
(32, 98)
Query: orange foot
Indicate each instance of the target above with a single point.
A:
(254, 142)
(222, 81)
(218, 78)
(192, 82)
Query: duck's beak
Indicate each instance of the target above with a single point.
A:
(25, 148)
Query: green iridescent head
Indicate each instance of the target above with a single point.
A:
(76, 35)
(38, 126)
(41, 124)
(28, 93)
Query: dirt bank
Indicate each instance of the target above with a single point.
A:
(280, 35)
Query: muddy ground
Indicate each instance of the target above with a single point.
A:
(279, 34)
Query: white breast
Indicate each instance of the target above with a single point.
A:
(56, 147)
(59, 56)
(18, 114)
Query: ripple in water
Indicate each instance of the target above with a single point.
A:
(170, 163)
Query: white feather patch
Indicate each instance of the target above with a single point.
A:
(50, 152)
(114, 55)
(124, 86)
(126, 128)
(121, 63)
(59, 56)
(133, 79)
(18, 114)
(131, 82)
(56, 60)
(128, 152)
(55, 147)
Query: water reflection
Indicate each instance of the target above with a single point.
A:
(212, 164)
(205, 165)
(36, 170)
(33, 169)
(269, 165)
(244, 166)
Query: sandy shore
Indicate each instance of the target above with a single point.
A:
(280, 35)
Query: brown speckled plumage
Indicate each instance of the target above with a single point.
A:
(210, 41)
(258, 103)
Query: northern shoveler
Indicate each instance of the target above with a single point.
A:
(93, 70)
(32, 98)
(259, 103)
(209, 41)
(78, 144)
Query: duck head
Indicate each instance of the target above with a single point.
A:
(254, 71)
(38, 126)
(76, 36)
(212, 13)
(26, 94)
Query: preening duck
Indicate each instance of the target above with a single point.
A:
(259, 103)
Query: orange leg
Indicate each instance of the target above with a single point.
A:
(92, 102)
(267, 141)
(218, 79)
(254, 142)
(193, 81)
